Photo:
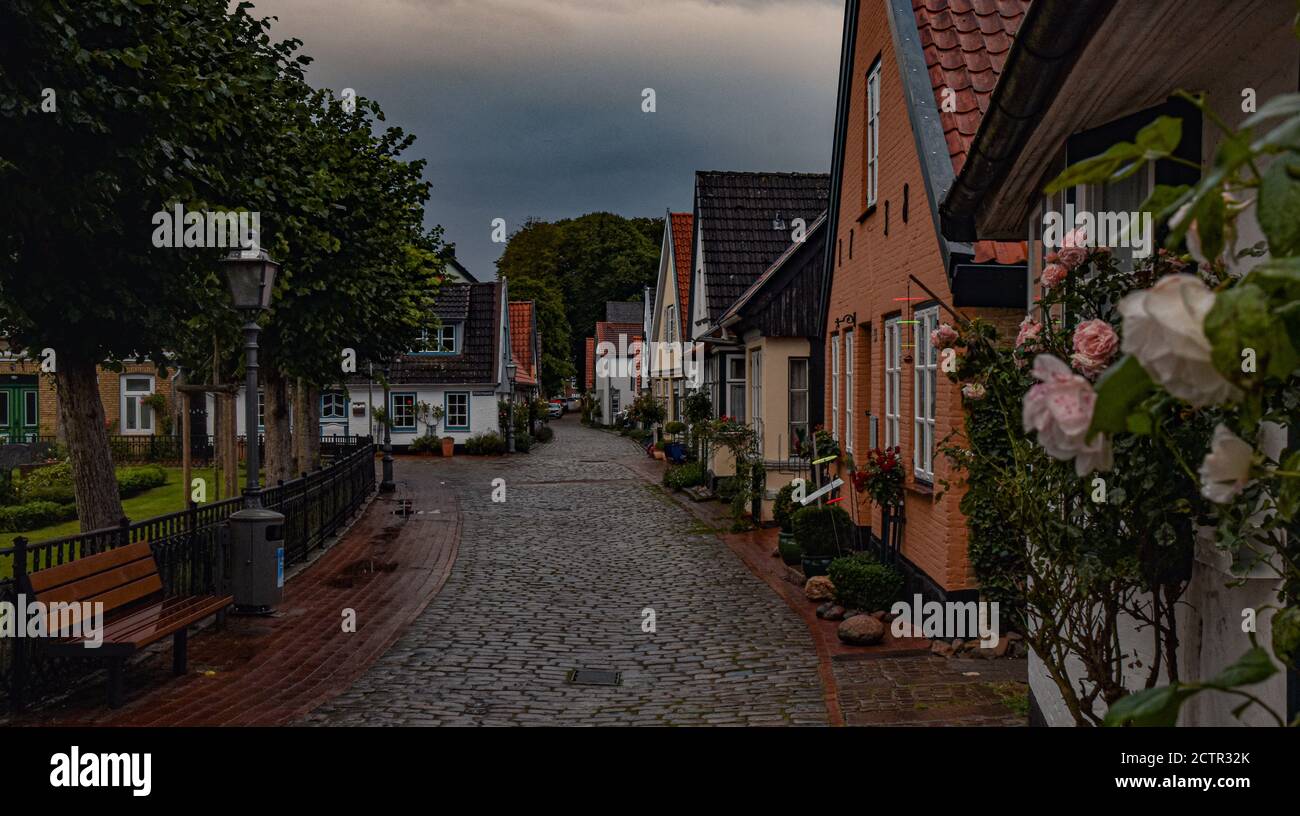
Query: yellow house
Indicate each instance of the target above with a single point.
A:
(776, 321)
(668, 329)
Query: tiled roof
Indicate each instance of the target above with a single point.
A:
(521, 339)
(630, 311)
(591, 363)
(607, 332)
(965, 44)
(736, 212)
(682, 226)
(477, 304)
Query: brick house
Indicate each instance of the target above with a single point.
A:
(525, 348)
(671, 313)
(915, 76)
(29, 400)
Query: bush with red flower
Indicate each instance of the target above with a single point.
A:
(881, 477)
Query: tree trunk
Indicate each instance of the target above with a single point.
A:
(81, 413)
(279, 442)
(306, 408)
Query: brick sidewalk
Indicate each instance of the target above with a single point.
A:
(272, 670)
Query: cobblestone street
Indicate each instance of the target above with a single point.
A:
(556, 578)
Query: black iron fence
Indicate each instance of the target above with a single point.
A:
(129, 449)
(191, 549)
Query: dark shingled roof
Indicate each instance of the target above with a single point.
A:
(624, 311)
(735, 211)
(477, 304)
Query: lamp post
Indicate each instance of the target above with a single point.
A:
(511, 368)
(387, 485)
(257, 534)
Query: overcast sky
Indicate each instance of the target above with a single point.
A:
(533, 107)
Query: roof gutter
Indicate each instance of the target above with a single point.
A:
(1050, 39)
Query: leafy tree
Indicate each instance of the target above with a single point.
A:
(150, 105)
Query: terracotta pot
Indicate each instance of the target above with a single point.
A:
(659, 455)
(448, 446)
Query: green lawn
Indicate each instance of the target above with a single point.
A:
(169, 498)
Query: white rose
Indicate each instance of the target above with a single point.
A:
(1163, 329)
(1226, 468)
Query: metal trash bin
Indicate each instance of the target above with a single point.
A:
(257, 556)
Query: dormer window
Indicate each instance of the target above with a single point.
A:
(445, 339)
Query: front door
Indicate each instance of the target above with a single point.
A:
(19, 411)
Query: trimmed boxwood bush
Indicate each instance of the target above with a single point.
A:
(523, 442)
(790, 551)
(862, 583)
(728, 487)
(485, 444)
(33, 515)
(822, 530)
(679, 477)
(136, 480)
(784, 508)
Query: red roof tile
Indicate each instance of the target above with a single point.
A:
(683, 229)
(591, 363)
(965, 44)
(609, 332)
(521, 339)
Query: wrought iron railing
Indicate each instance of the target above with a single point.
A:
(190, 549)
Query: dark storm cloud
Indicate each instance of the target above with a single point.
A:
(534, 108)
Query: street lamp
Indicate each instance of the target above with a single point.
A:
(511, 368)
(256, 533)
(387, 485)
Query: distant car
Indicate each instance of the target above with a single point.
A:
(572, 403)
(555, 408)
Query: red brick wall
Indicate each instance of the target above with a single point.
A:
(870, 276)
(109, 393)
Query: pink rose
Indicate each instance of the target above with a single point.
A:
(1029, 329)
(973, 391)
(944, 336)
(1075, 238)
(1095, 344)
(1059, 408)
(1072, 257)
(1054, 274)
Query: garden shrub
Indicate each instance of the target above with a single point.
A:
(728, 487)
(429, 443)
(545, 434)
(59, 494)
(675, 427)
(59, 475)
(862, 583)
(485, 444)
(523, 442)
(34, 515)
(784, 508)
(822, 530)
(135, 480)
(679, 477)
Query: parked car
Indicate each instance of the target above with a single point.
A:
(572, 403)
(555, 408)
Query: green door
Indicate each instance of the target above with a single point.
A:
(19, 411)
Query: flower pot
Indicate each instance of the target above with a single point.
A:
(816, 564)
(659, 455)
(791, 552)
(448, 446)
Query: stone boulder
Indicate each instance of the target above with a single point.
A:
(819, 588)
(861, 630)
(830, 611)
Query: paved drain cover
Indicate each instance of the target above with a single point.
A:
(595, 677)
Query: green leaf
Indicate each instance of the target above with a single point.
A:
(1279, 204)
(1255, 666)
(1097, 169)
(1160, 139)
(1242, 318)
(1149, 708)
(1163, 201)
(1119, 390)
(1211, 220)
(1139, 423)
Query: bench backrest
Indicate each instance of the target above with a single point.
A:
(115, 578)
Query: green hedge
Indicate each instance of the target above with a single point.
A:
(136, 480)
(679, 477)
(34, 515)
(429, 443)
(862, 583)
(822, 530)
(54, 483)
(485, 444)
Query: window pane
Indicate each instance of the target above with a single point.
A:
(131, 422)
(138, 384)
(4, 409)
(31, 408)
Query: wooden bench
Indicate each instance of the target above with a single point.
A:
(126, 582)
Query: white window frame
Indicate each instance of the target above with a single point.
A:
(893, 379)
(835, 386)
(848, 391)
(873, 133)
(442, 340)
(756, 391)
(925, 367)
(452, 411)
(143, 413)
(800, 394)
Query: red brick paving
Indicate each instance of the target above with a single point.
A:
(273, 670)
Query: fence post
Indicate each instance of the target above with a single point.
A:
(18, 685)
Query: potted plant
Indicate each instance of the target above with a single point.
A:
(659, 450)
(822, 532)
(436, 414)
(783, 510)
